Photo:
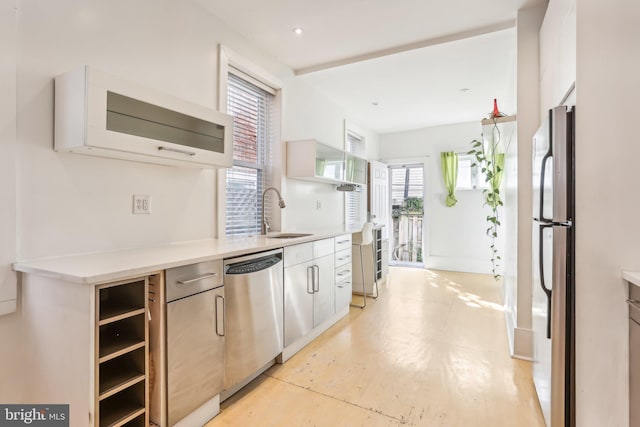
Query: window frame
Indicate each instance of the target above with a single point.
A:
(227, 59)
(476, 180)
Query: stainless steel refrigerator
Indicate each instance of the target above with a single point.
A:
(553, 267)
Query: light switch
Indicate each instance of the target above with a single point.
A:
(141, 204)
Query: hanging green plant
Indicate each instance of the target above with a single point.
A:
(490, 162)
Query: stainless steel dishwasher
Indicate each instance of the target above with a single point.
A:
(254, 315)
(195, 337)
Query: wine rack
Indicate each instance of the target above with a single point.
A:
(121, 365)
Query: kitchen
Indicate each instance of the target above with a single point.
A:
(64, 204)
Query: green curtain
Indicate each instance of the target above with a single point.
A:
(449, 162)
(493, 199)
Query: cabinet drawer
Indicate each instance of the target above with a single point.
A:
(298, 253)
(190, 279)
(322, 247)
(343, 273)
(343, 257)
(343, 242)
(343, 294)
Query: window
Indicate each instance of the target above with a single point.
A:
(407, 181)
(251, 107)
(469, 177)
(353, 203)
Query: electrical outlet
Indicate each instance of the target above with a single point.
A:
(318, 205)
(141, 204)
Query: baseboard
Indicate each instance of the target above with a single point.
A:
(523, 344)
(465, 265)
(508, 318)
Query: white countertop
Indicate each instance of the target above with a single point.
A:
(102, 267)
(631, 277)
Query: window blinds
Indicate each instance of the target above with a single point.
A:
(251, 107)
(353, 199)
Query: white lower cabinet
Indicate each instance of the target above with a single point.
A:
(309, 287)
(323, 297)
(298, 301)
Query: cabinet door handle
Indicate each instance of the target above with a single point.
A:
(344, 273)
(343, 258)
(310, 280)
(197, 279)
(316, 279)
(220, 326)
(343, 241)
(177, 150)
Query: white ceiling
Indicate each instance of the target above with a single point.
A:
(410, 56)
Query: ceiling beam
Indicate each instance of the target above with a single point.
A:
(407, 47)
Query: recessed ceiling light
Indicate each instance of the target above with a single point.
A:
(375, 103)
(464, 90)
(297, 31)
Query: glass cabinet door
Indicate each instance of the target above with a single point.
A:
(355, 169)
(138, 118)
(329, 162)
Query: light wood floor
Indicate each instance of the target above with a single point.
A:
(431, 351)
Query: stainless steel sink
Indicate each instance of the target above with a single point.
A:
(287, 235)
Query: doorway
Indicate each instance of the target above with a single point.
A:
(406, 184)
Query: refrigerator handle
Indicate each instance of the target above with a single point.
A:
(546, 290)
(543, 167)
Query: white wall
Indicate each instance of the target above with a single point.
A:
(456, 238)
(558, 53)
(607, 228)
(7, 159)
(68, 203)
(10, 335)
(322, 120)
(517, 281)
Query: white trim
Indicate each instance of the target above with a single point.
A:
(246, 77)
(510, 322)
(426, 215)
(241, 63)
(465, 265)
(228, 58)
(499, 26)
(523, 344)
(350, 127)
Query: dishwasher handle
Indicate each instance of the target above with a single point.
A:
(220, 326)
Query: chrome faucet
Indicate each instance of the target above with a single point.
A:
(265, 223)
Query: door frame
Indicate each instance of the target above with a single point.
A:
(414, 161)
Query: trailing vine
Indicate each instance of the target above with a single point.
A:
(491, 163)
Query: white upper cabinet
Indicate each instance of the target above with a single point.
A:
(314, 161)
(102, 115)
